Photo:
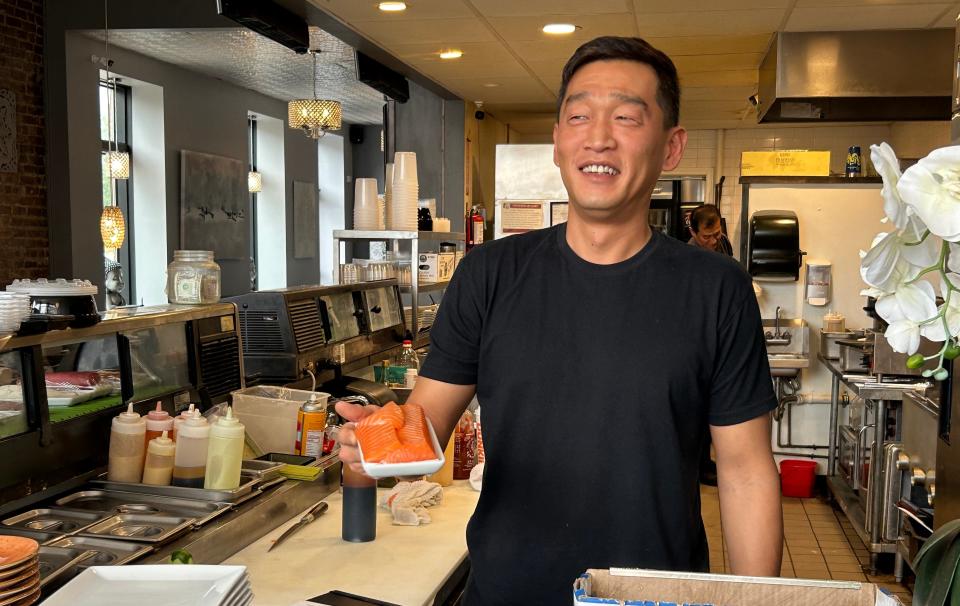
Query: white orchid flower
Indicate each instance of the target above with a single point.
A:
(888, 167)
(905, 312)
(934, 330)
(903, 336)
(883, 267)
(931, 187)
(953, 261)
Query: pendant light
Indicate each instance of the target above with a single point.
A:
(112, 225)
(314, 116)
(254, 182)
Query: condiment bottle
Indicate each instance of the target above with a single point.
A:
(179, 419)
(359, 521)
(464, 447)
(159, 466)
(444, 476)
(158, 421)
(225, 453)
(190, 461)
(125, 462)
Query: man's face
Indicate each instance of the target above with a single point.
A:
(610, 142)
(708, 236)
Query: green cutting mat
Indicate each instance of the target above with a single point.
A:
(59, 414)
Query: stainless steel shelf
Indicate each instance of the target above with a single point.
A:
(392, 234)
(851, 505)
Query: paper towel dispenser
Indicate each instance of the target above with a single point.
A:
(774, 246)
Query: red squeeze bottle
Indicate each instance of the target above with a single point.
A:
(464, 447)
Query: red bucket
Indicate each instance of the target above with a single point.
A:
(797, 478)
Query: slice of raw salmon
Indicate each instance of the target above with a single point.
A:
(395, 434)
(377, 434)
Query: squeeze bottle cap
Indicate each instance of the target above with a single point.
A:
(228, 426)
(159, 414)
(186, 414)
(129, 416)
(161, 442)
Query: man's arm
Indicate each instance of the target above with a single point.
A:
(443, 403)
(749, 488)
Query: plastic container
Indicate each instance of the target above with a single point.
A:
(158, 468)
(158, 421)
(193, 278)
(797, 478)
(270, 415)
(190, 461)
(127, 447)
(179, 419)
(225, 453)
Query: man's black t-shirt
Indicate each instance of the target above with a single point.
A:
(596, 385)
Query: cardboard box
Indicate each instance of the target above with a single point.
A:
(436, 267)
(785, 164)
(631, 586)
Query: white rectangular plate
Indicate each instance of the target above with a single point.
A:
(413, 468)
(153, 585)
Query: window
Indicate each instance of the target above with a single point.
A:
(252, 166)
(115, 134)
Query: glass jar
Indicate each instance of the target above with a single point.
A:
(193, 278)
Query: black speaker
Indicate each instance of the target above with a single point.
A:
(356, 134)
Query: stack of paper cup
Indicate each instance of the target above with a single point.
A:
(381, 211)
(441, 224)
(365, 205)
(402, 213)
(388, 195)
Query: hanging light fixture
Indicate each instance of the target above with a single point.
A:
(254, 182)
(314, 116)
(113, 228)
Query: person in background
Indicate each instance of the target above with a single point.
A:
(706, 230)
(602, 353)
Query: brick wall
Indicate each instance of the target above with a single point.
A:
(24, 241)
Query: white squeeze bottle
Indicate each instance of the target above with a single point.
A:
(190, 460)
(127, 432)
(179, 419)
(225, 455)
(159, 465)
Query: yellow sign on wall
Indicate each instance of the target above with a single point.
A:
(785, 164)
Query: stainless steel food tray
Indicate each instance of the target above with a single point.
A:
(59, 564)
(265, 470)
(55, 519)
(104, 552)
(39, 536)
(143, 528)
(115, 501)
(247, 484)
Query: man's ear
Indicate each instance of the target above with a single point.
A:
(676, 143)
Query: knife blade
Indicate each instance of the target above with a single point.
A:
(312, 514)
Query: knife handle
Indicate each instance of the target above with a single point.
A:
(314, 511)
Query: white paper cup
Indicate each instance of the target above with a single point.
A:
(404, 167)
(365, 193)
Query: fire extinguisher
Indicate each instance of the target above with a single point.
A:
(474, 230)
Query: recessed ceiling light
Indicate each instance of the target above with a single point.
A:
(559, 28)
(491, 85)
(452, 53)
(393, 7)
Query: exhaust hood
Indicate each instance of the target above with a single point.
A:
(857, 76)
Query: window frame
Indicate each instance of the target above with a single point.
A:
(122, 188)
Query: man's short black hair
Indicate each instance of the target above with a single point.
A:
(611, 48)
(704, 215)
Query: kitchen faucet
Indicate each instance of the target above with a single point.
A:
(777, 337)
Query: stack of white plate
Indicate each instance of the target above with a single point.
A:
(14, 309)
(402, 207)
(19, 571)
(366, 209)
(156, 585)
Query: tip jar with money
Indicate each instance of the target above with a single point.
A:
(193, 278)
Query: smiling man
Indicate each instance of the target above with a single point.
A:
(602, 353)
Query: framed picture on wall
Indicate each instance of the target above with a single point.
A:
(214, 205)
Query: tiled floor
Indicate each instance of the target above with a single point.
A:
(819, 543)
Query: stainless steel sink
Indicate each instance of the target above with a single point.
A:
(788, 345)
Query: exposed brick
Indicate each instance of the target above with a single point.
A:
(24, 242)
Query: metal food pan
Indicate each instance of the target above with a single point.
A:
(59, 564)
(104, 552)
(139, 527)
(55, 519)
(39, 536)
(247, 484)
(265, 470)
(147, 504)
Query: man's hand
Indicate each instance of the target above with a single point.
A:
(349, 453)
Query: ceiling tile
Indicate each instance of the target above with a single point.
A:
(687, 64)
(740, 77)
(949, 18)
(491, 63)
(709, 23)
(510, 90)
(449, 32)
(675, 6)
(831, 3)
(366, 10)
(535, 8)
(559, 49)
(712, 45)
(840, 18)
(716, 93)
(529, 28)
